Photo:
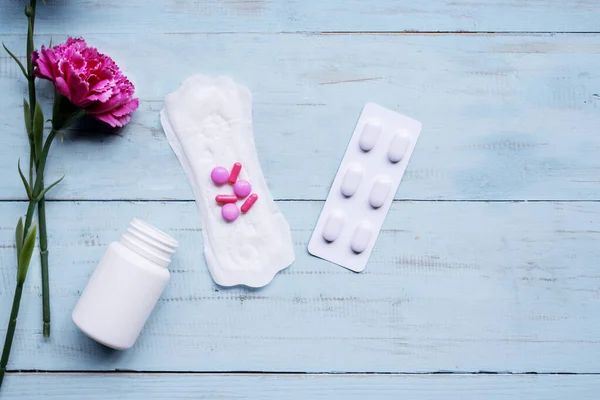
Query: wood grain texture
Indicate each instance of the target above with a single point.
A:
(505, 117)
(117, 17)
(314, 387)
(450, 287)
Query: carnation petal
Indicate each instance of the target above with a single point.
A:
(101, 97)
(126, 108)
(115, 101)
(62, 87)
(43, 71)
(49, 58)
(79, 90)
(101, 85)
(112, 120)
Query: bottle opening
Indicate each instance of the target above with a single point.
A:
(149, 242)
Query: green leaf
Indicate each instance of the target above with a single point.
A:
(26, 253)
(16, 60)
(27, 113)
(38, 129)
(27, 187)
(41, 163)
(19, 236)
(41, 195)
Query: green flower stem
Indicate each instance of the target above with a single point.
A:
(40, 161)
(10, 333)
(12, 324)
(34, 161)
(14, 313)
(31, 161)
(44, 262)
(30, 47)
(44, 236)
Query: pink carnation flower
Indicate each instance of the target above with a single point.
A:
(89, 79)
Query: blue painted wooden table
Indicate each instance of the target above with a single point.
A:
(485, 281)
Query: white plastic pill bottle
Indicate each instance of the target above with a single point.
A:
(125, 286)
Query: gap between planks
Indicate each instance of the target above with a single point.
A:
(457, 33)
(375, 33)
(288, 373)
(75, 200)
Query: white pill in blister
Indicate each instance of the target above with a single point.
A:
(333, 226)
(398, 146)
(362, 237)
(380, 191)
(352, 179)
(369, 135)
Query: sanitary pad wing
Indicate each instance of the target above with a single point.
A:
(208, 123)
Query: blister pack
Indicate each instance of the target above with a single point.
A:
(364, 187)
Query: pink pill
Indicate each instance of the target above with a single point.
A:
(219, 175)
(230, 212)
(242, 188)
(235, 172)
(249, 202)
(226, 198)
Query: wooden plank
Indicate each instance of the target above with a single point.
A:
(114, 16)
(451, 286)
(505, 117)
(314, 387)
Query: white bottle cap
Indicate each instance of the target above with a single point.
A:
(149, 242)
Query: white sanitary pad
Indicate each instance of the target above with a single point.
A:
(208, 123)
